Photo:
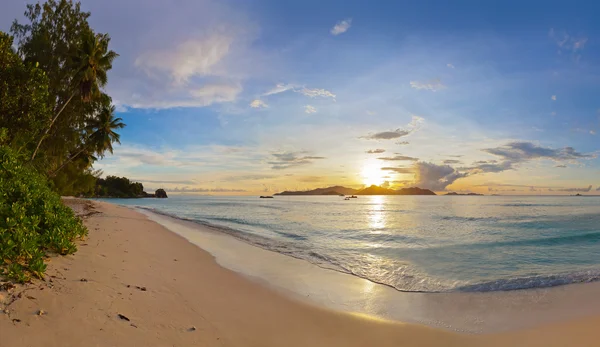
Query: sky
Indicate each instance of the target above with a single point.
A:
(241, 97)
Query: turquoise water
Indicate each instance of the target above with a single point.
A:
(416, 243)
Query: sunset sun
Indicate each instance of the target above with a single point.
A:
(372, 174)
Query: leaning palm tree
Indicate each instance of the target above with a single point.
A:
(90, 65)
(101, 135)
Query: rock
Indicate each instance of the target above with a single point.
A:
(83, 280)
(160, 193)
(193, 328)
(41, 312)
(123, 317)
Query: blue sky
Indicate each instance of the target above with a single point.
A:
(246, 96)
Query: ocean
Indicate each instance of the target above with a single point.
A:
(415, 243)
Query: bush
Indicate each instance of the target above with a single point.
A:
(33, 220)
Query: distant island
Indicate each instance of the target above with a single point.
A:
(467, 194)
(122, 187)
(372, 190)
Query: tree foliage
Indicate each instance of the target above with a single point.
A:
(55, 121)
(57, 38)
(33, 220)
(119, 187)
(23, 98)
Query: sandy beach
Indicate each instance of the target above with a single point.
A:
(135, 283)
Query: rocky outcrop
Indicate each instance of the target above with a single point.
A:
(160, 193)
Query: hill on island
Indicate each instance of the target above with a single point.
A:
(372, 190)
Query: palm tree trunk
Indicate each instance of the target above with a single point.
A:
(50, 127)
(53, 173)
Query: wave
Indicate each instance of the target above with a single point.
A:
(403, 277)
(531, 282)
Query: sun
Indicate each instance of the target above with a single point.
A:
(372, 174)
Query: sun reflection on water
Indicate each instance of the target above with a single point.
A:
(376, 214)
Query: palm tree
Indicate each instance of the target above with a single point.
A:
(101, 136)
(103, 133)
(91, 63)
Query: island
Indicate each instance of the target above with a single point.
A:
(372, 190)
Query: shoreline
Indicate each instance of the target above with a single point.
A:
(175, 293)
(467, 312)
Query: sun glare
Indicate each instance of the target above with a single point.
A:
(372, 174)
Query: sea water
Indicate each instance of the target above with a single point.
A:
(415, 243)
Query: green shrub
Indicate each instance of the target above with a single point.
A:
(33, 220)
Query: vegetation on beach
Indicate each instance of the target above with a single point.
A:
(33, 220)
(55, 122)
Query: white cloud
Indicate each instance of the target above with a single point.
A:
(450, 66)
(309, 109)
(433, 85)
(279, 88)
(214, 93)
(371, 113)
(341, 27)
(435, 177)
(593, 132)
(316, 92)
(258, 104)
(553, 97)
(197, 57)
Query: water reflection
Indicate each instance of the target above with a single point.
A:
(376, 214)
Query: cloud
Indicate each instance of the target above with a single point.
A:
(215, 93)
(521, 151)
(406, 170)
(561, 166)
(387, 135)
(580, 190)
(195, 57)
(518, 152)
(249, 177)
(310, 179)
(258, 104)
(373, 151)
(433, 85)
(450, 66)
(553, 97)
(280, 88)
(341, 27)
(413, 126)
(371, 113)
(286, 160)
(142, 180)
(435, 177)
(402, 143)
(385, 184)
(398, 158)
(491, 167)
(309, 109)
(203, 190)
(452, 161)
(313, 93)
(592, 132)
(564, 41)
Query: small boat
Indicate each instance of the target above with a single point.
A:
(266, 197)
(346, 198)
(341, 195)
(353, 197)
